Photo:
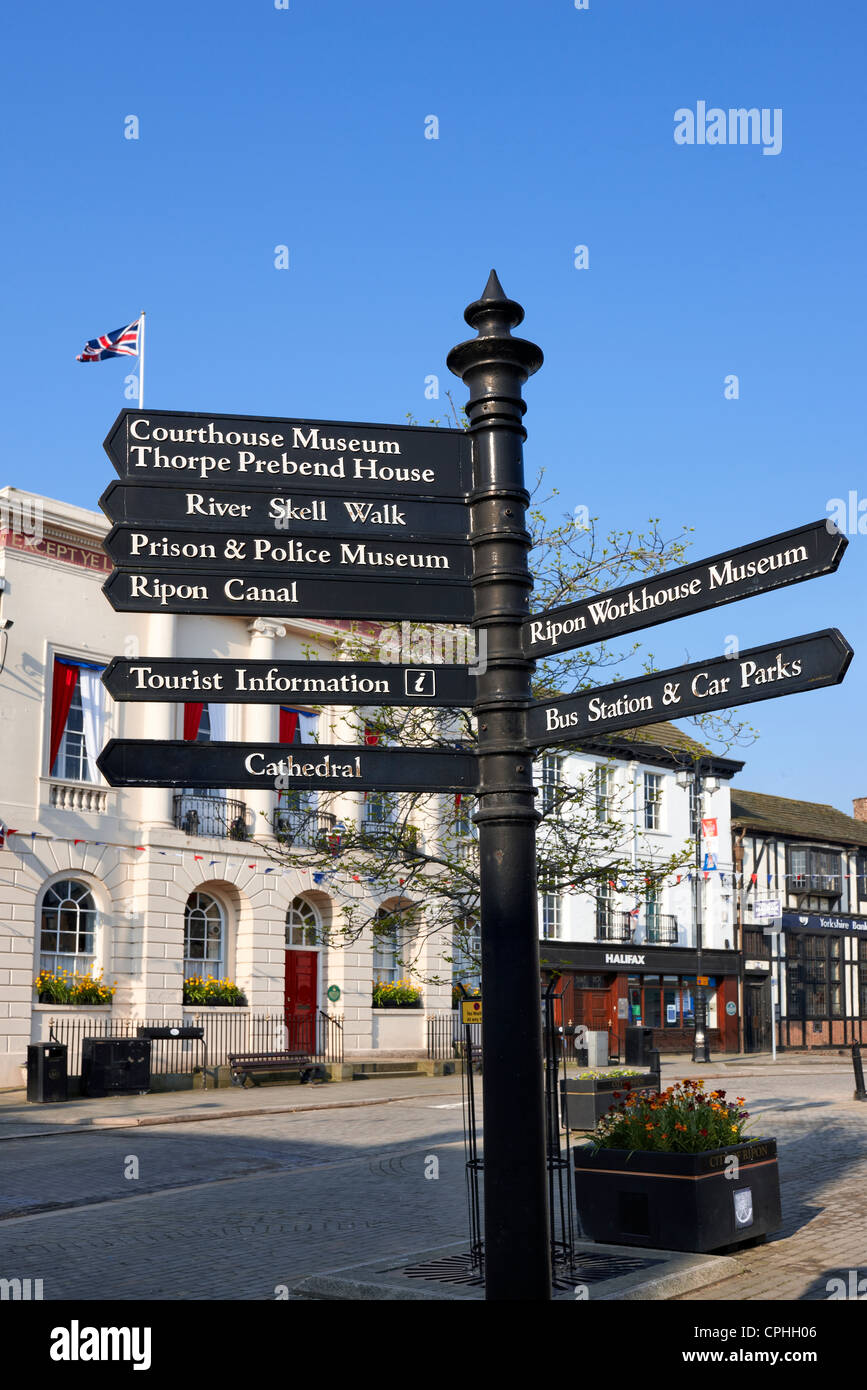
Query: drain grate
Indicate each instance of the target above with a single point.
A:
(451, 1269)
(590, 1268)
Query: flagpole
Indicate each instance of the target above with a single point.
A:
(141, 362)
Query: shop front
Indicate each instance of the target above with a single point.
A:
(608, 987)
(823, 980)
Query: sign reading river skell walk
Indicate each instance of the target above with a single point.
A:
(788, 558)
(329, 457)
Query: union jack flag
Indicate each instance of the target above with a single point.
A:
(123, 342)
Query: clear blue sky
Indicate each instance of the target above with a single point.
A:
(305, 127)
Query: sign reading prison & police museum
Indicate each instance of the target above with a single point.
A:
(324, 456)
(805, 553)
(270, 682)
(759, 673)
(313, 767)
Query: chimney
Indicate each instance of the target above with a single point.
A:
(859, 807)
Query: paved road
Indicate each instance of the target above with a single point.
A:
(235, 1208)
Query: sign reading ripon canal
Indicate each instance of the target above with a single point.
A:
(321, 596)
(328, 457)
(788, 558)
(271, 682)
(724, 682)
(323, 766)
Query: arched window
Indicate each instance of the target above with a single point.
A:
(68, 928)
(302, 924)
(204, 937)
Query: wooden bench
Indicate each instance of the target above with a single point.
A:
(245, 1064)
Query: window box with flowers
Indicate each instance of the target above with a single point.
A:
(396, 994)
(210, 992)
(674, 1170)
(62, 987)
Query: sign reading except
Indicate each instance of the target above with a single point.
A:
(759, 673)
(322, 767)
(321, 456)
(226, 509)
(273, 682)
(317, 596)
(787, 558)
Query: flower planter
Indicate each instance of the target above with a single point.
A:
(584, 1100)
(679, 1201)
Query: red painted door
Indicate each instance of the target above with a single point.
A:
(301, 1000)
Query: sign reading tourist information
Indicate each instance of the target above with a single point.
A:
(310, 767)
(280, 510)
(272, 682)
(759, 673)
(320, 596)
(329, 458)
(788, 558)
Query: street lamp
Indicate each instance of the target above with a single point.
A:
(701, 784)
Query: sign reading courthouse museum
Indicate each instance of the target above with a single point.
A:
(325, 456)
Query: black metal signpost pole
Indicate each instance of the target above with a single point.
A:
(494, 367)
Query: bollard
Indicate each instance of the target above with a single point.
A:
(655, 1065)
(860, 1092)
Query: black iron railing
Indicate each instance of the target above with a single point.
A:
(376, 831)
(446, 1035)
(226, 1030)
(210, 815)
(305, 829)
(661, 931)
(614, 926)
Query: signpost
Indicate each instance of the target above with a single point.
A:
(759, 673)
(303, 767)
(275, 682)
(238, 515)
(788, 558)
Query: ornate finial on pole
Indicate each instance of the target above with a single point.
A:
(494, 365)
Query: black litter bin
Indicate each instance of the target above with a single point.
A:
(47, 1076)
(639, 1044)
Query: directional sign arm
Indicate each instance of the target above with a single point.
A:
(759, 673)
(788, 558)
(332, 767)
(274, 682)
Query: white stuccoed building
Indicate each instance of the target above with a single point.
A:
(149, 886)
(627, 951)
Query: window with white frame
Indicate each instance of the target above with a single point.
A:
(551, 779)
(694, 809)
(552, 915)
(78, 720)
(391, 934)
(302, 924)
(67, 928)
(467, 954)
(604, 791)
(652, 801)
(204, 937)
(604, 898)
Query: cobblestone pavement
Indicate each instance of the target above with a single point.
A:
(235, 1208)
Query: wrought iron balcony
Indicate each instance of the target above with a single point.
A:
(304, 829)
(375, 831)
(217, 816)
(661, 931)
(613, 926)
